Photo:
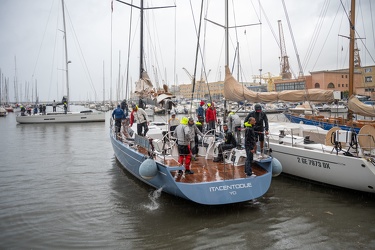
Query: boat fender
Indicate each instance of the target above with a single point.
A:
(277, 168)
(148, 169)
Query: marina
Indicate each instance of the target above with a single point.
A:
(62, 187)
(161, 161)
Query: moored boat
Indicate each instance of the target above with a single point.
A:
(3, 111)
(333, 157)
(154, 161)
(67, 116)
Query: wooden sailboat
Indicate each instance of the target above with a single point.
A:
(63, 117)
(152, 159)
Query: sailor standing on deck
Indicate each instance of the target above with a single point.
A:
(194, 131)
(139, 115)
(118, 115)
(182, 133)
(250, 145)
(261, 124)
(54, 106)
(173, 122)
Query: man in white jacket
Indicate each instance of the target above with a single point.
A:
(139, 116)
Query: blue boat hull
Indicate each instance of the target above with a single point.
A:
(208, 193)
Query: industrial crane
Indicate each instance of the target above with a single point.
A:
(284, 61)
(187, 72)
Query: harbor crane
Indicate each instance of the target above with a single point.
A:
(284, 61)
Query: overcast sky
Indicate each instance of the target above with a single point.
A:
(31, 42)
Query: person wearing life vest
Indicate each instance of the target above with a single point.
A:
(261, 124)
(65, 107)
(229, 143)
(199, 125)
(250, 145)
(182, 133)
(23, 110)
(200, 114)
(194, 132)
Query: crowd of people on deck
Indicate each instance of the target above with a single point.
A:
(187, 130)
(42, 108)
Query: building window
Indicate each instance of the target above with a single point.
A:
(368, 78)
(331, 85)
(367, 70)
(342, 76)
(339, 85)
(290, 86)
(346, 76)
(317, 85)
(346, 85)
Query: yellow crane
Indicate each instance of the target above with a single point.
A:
(269, 78)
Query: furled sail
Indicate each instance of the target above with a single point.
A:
(234, 91)
(360, 108)
(144, 86)
(145, 89)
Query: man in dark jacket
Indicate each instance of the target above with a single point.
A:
(125, 108)
(229, 143)
(118, 115)
(250, 144)
(261, 124)
(200, 114)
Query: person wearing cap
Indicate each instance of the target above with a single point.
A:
(194, 131)
(250, 144)
(118, 115)
(182, 133)
(261, 124)
(234, 125)
(229, 143)
(139, 116)
(173, 121)
(200, 114)
(211, 117)
(124, 107)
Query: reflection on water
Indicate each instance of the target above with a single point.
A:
(61, 187)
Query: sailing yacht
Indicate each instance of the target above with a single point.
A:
(63, 117)
(154, 161)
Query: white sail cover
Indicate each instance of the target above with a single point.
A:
(360, 108)
(234, 91)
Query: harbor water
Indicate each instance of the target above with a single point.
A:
(62, 188)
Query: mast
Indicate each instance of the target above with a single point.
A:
(66, 58)
(226, 52)
(103, 85)
(351, 54)
(141, 42)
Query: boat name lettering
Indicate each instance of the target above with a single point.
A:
(230, 187)
(312, 162)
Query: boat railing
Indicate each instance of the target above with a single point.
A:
(367, 143)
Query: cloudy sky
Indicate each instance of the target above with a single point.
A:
(99, 41)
